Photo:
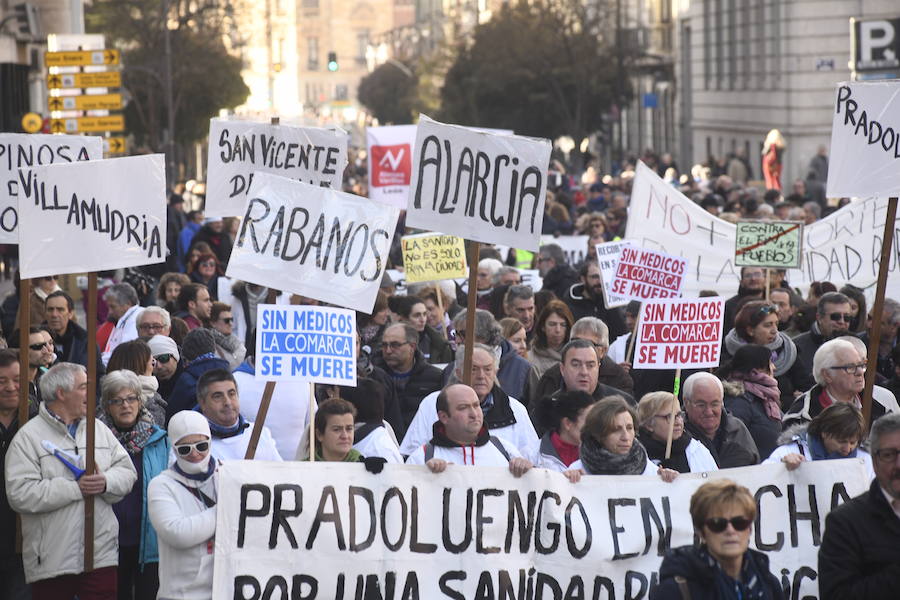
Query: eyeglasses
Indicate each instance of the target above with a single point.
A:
(208, 263)
(668, 416)
(151, 326)
(767, 310)
(163, 358)
(850, 369)
(887, 455)
(392, 345)
(838, 317)
(121, 401)
(185, 449)
(592, 343)
(720, 524)
(40, 346)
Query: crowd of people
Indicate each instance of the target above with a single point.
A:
(552, 387)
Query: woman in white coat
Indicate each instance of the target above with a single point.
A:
(182, 506)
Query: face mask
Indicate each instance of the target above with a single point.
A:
(192, 468)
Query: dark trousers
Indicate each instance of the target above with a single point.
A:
(135, 583)
(12, 579)
(99, 584)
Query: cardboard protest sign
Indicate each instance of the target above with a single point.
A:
(480, 186)
(607, 258)
(680, 334)
(574, 247)
(390, 163)
(19, 154)
(844, 246)
(306, 343)
(337, 532)
(312, 241)
(865, 140)
(641, 274)
(91, 216)
(433, 256)
(237, 149)
(770, 244)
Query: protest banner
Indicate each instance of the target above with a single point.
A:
(865, 140)
(313, 241)
(682, 333)
(313, 155)
(575, 247)
(19, 154)
(641, 274)
(843, 247)
(92, 216)
(306, 343)
(607, 258)
(769, 244)
(337, 532)
(390, 163)
(480, 186)
(433, 256)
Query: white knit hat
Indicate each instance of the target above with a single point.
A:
(160, 344)
(187, 422)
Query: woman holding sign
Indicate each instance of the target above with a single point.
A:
(688, 455)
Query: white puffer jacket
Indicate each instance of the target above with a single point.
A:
(44, 491)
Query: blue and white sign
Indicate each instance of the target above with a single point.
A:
(306, 343)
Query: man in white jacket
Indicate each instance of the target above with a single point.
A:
(125, 307)
(49, 495)
(461, 438)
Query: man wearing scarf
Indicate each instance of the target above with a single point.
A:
(726, 437)
(218, 399)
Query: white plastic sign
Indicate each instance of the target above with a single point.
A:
(607, 257)
(642, 274)
(390, 163)
(685, 334)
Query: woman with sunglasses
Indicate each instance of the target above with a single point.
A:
(757, 323)
(123, 411)
(228, 345)
(206, 272)
(655, 417)
(182, 507)
(722, 567)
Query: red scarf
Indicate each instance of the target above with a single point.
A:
(568, 453)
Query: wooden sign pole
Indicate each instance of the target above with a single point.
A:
(675, 407)
(311, 419)
(89, 466)
(878, 308)
(24, 326)
(474, 249)
(267, 392)
(440, 305)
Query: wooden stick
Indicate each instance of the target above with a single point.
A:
(877, 310)
(440, 303)
(637, 326)
(89, 466)
(24, 384)
(675, 407)
(260, 419)
(311, 419)
(474, 248)
(768, 284)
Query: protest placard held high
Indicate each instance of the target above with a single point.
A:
(680, 334)
(433, 256)
(641, 274)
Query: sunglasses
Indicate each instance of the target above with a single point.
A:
(163, 358)
(185, 449)
(720, 524)
(40, 346)
(838, 317)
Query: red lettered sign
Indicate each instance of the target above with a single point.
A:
(680, 333)
(390, 165)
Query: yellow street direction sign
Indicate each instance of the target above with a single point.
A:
(115, 145)
(32, 122)
(94, 102)
(81, 58)
(80, 124)
(84, 80)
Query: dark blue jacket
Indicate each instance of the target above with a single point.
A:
(184, 394)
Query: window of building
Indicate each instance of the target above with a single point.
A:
(310, 3)
(708, 48)
(312, 54)
(340, 92)
(362, 45)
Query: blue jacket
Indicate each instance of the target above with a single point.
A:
(184, 243)
(184, 394)
(155, 460)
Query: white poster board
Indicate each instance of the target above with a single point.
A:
(331, 531)
(865, 140)
(237, 149)
(313, 241)
(575, 247)
(390, 163)
(306, 343)
(607, 258)
(20, 153)
(480, 186)
(93, 216)
(680, 334)
(643, 274)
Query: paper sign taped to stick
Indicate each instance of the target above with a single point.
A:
(433, 256)
(770, 244)
(607, 258)
(306, 343)
(865, 140)
(480, 186)
(641, 274)
(19, 154)
(239, 148)
(685, 334)
(312, 241)
(390, 163)
(94, 216)
(336, 532)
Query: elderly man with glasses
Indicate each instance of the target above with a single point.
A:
(839, 371)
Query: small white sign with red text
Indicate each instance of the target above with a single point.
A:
(643, 274)
(684, 334)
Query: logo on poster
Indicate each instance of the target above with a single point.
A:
(391, 165)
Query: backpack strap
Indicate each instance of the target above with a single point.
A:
(499, 445)
(363, 431)
(206, 500)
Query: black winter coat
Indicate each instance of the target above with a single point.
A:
(423, 380)
(687, 562)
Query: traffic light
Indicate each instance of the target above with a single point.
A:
(27, 21)
(332, 62)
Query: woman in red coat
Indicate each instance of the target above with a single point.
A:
(773, 149)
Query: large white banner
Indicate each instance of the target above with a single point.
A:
(92, 216)
(334, 531)
(390, 163)
(477, 185)
(865, 140)
(843, 247)
(19, 154)
(575, 247)
(237, 149)
(312, 241)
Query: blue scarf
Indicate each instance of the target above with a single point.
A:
(220, 432)
(197, 476)
(818, 451)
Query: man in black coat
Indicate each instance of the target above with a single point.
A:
(860, 554)
(557, 274)
(832, 320)
(69, 339)
(585, 299)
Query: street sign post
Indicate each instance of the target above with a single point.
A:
(115, 145)
(84, 80)
(88, 124)
(32, 122)
(81, 58)
(92, 102)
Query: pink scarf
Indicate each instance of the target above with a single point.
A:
(765, 387)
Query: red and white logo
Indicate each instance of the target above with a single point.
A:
(390, 165)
